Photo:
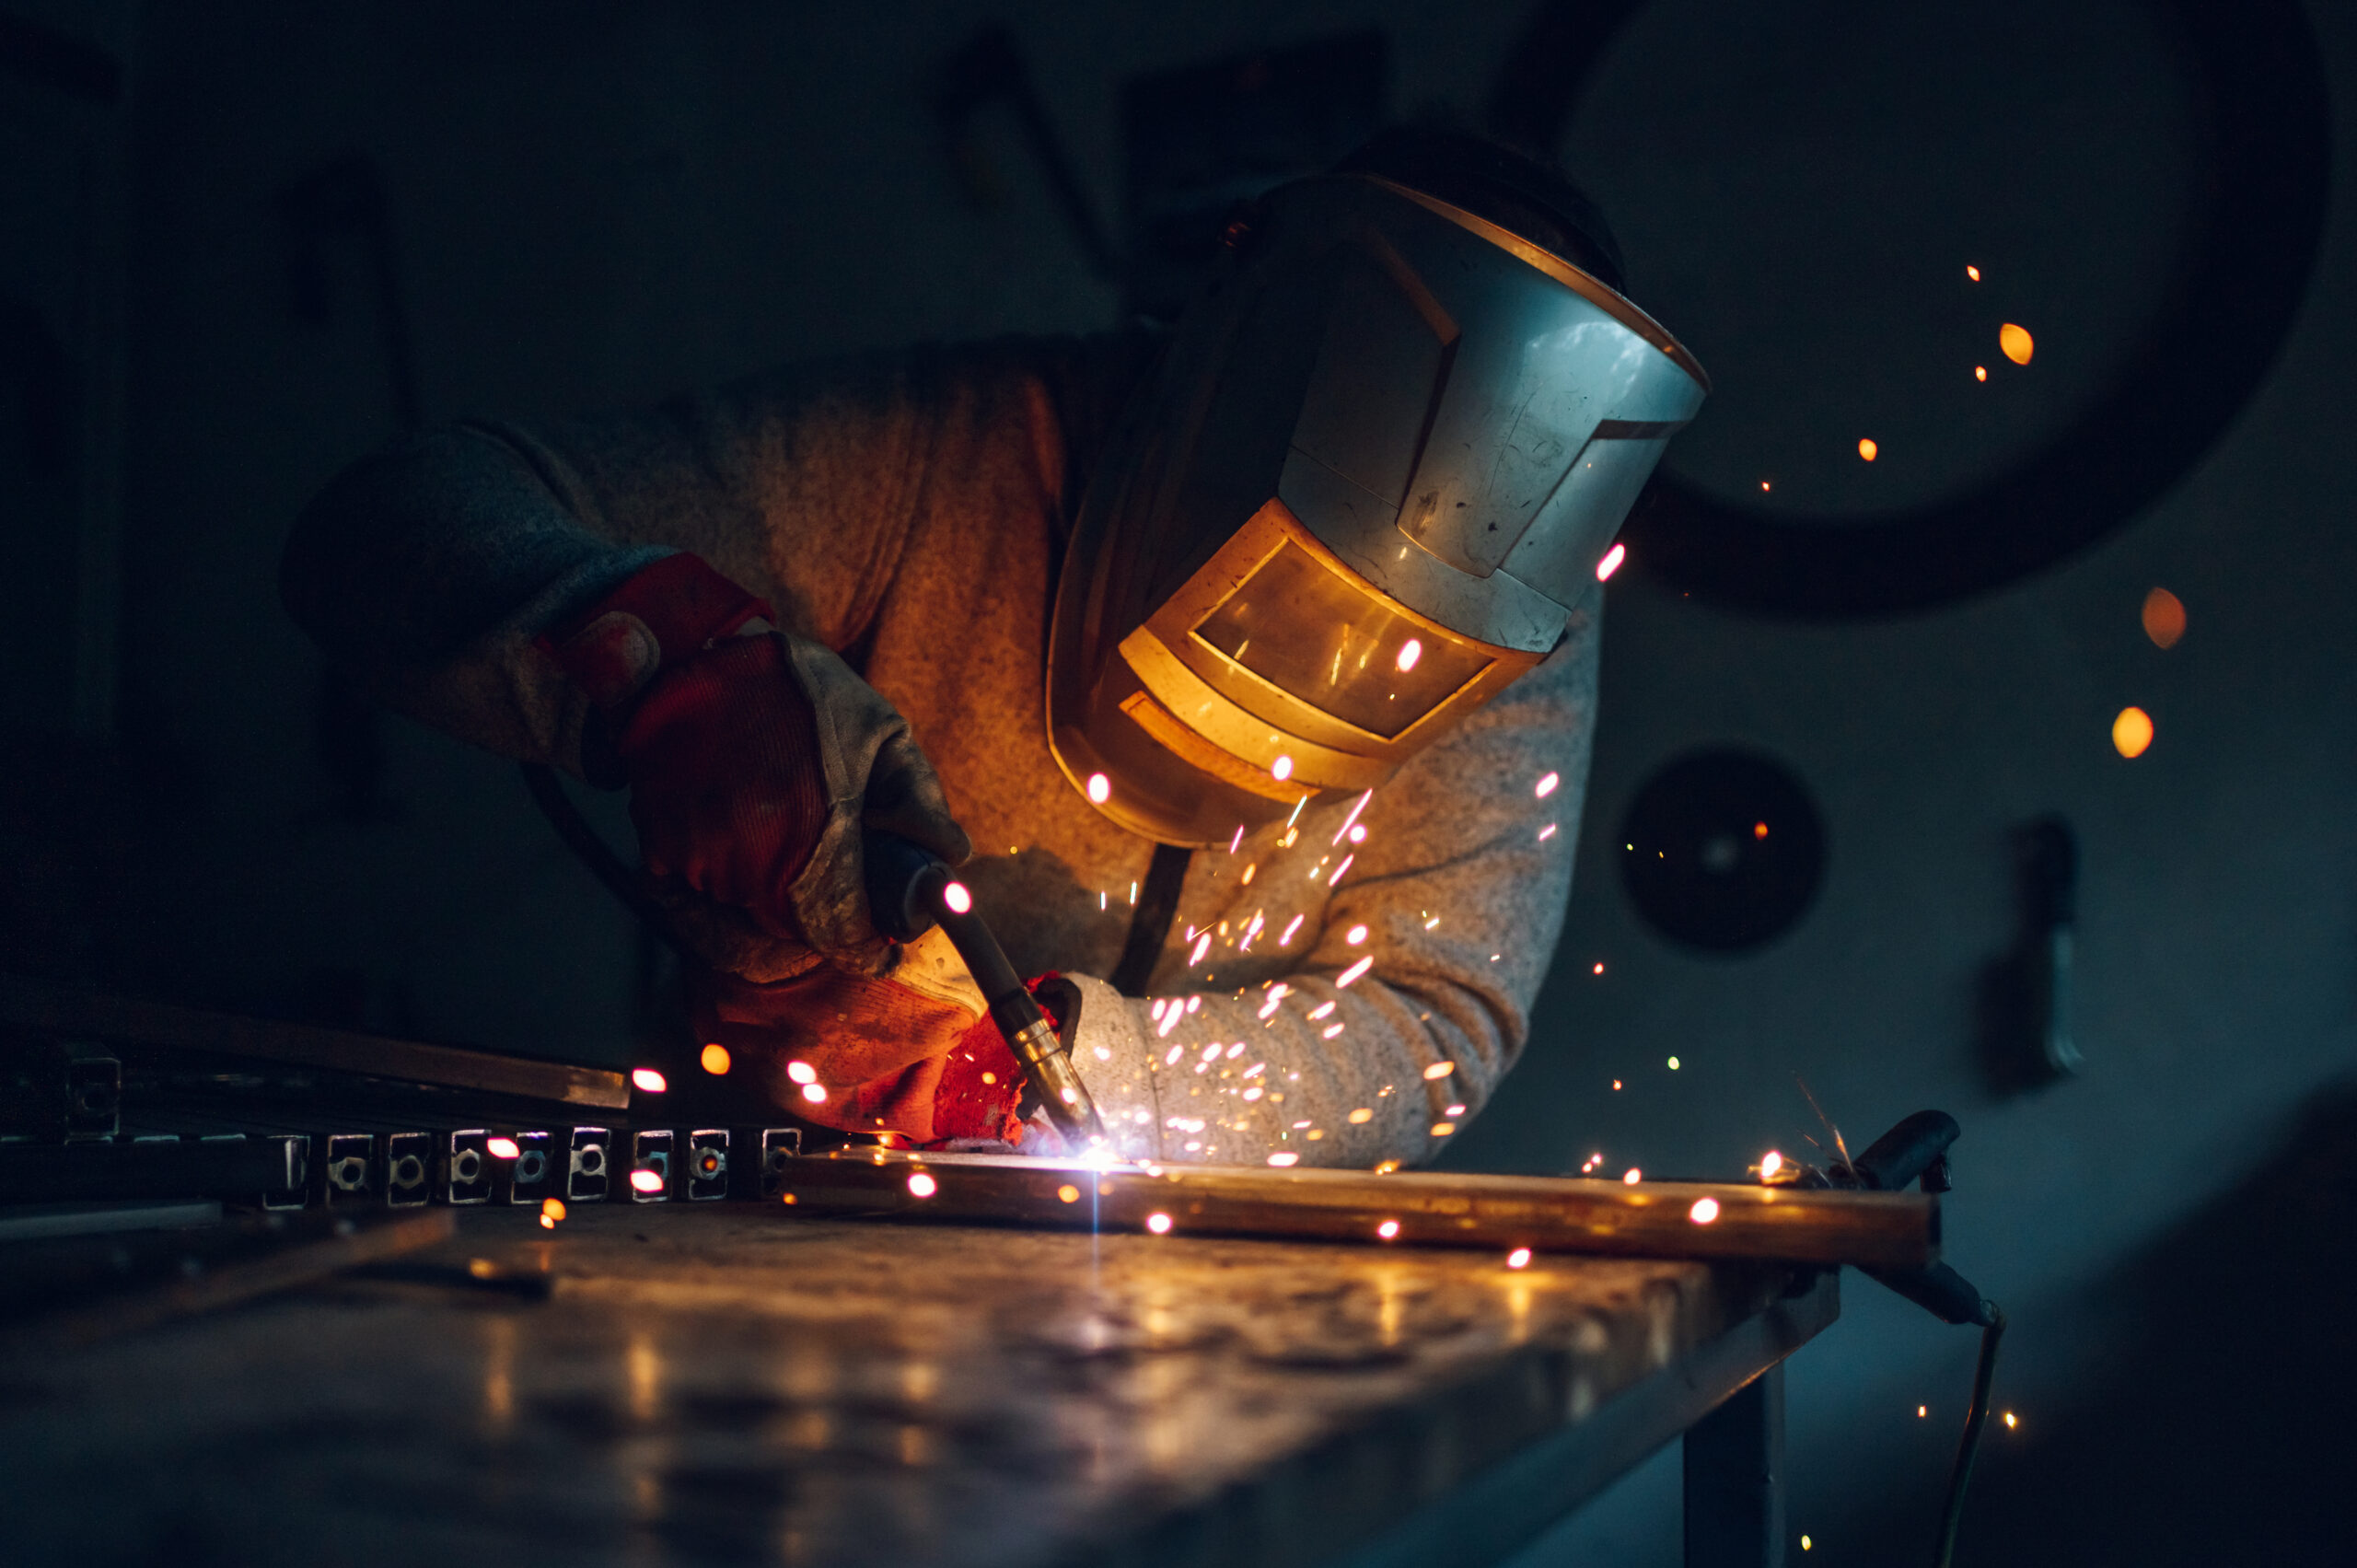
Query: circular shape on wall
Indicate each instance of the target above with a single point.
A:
(1722, 850)
(2244, 199)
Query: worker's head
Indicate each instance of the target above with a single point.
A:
(1364, 488)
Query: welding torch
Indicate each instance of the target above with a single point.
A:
(909, 892)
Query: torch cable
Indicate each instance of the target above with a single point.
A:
(1969, 1447)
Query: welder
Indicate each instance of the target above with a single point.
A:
(1245, 669)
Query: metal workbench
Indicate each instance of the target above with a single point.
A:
(732, 1383)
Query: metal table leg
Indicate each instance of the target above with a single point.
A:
(1734, 1480)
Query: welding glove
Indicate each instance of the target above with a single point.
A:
(910, 1052)
(756, 760)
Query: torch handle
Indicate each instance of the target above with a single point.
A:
(907, 893)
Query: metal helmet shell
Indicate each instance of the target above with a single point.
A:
(1374, 467)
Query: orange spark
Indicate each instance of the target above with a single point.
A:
(2163, 617)
(2132, 732)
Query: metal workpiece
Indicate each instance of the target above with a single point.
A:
(408, 1168)
(232, 1167)
(780, 1146)
(650, 1167)
(466, 1167)
(707, 1165)
(349, 1170)
(40, 1008)
(1654, 1219)
(530, 1177)
(588, 1164)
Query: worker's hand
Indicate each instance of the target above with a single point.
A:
(755, 759)
(910, 1052)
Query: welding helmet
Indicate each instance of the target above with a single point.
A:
(1377, 465)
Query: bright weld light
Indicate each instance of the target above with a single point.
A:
(1673, 1063)
(1355, 935)
(1387, 1229)
(1101, 788)
(1281, 768)
(1972, 272)
(1440, 1070)
(2010, 1421)
(1769, 1163)
(1598, 969)
(1806, 1543)
(1518, 1258)
(1355, 970)
(802, 1072)
(956, 898)
(1980, 373)
(1922, 1410)
(713, 1059)
(922, 1186)
(503, 1148)
(1611, 561)
(1159, 1223)
(1409, 652)
(1704, 1211)
(1633, 1175)
(814, 1094)
(1546, 786)
(646, 1181)
(1358, 833)
(1067, 1193)
(1283, 1159)
(648, 1079)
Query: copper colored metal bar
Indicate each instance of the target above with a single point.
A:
(1652, 1219)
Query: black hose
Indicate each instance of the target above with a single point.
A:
(1968, 1447)
(598, 856)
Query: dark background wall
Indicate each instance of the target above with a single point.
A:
(590, 204)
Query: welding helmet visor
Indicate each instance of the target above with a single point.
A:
(1363, 489)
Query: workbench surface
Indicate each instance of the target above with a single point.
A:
(729, 1383)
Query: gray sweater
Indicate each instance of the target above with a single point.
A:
(910, 513)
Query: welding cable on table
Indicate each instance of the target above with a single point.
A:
(1917, 1150)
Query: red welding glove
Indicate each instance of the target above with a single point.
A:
(755, 760)
(911, 1052)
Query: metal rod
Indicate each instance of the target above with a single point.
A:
(1653, 1219)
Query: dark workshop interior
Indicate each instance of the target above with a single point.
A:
(2008, 568)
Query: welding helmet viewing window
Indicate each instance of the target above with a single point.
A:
(1371, 475)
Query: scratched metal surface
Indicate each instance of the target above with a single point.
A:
(731, 1385)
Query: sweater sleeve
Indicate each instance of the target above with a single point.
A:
(1395, 967)
(427, 570)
